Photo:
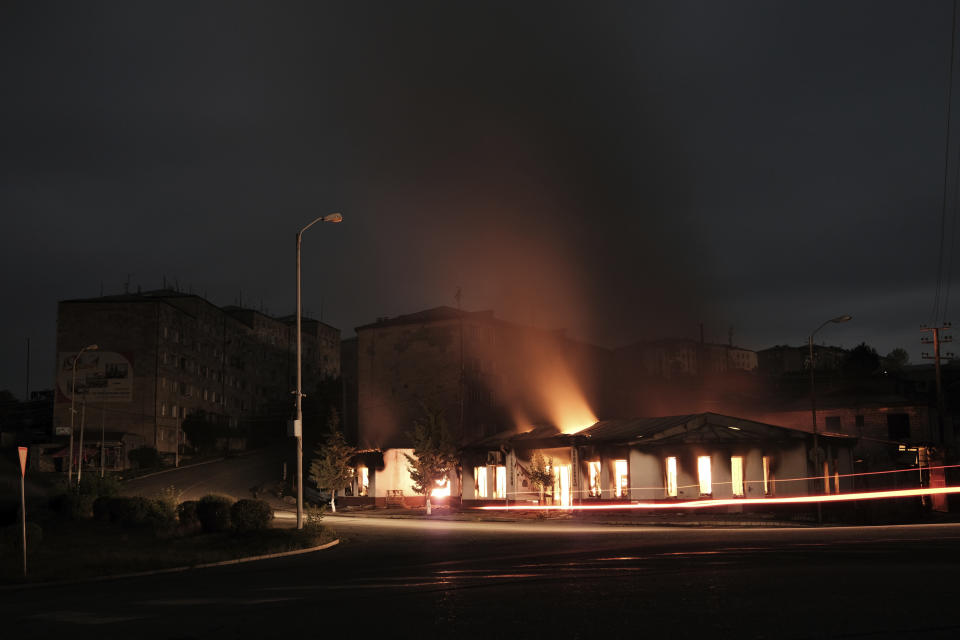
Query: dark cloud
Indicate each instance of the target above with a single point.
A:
(624, 171)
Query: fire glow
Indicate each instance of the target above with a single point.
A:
(699, 504)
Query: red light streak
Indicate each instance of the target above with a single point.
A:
(699, 504)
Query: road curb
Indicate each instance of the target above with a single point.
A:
(139, 574)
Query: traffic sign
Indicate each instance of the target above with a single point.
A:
(23, 460)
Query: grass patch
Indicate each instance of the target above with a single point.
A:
(88, 548)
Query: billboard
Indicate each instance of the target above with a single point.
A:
(102, 376)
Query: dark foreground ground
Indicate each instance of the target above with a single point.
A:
(415, 578)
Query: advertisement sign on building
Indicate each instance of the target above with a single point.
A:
(102, 376)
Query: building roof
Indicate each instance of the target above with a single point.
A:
(435, 314)
(660, 430)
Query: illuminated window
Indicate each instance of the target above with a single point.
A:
(622, 485)
(501, 486)
(736, 475)
(480, 481)
(593, 468)
(703, 470)
(767, 477)
(671, 477)
(363, 481)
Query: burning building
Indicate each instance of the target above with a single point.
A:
(487, 376)
(670, 458)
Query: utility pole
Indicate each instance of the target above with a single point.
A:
(936, 340)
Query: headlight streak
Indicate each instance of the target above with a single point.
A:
(700, 504)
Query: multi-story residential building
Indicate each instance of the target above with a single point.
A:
(486, 374)
(163, 355)
(676, 357)
(784, 359)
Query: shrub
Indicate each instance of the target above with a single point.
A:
(170, 496)
(250, 515)
(187, 514)
(73, 505)
(130, 511)
(214, 513)
(144, 457)
(315, 517)
(161, 516)
(93, 485)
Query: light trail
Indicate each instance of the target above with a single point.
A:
(699, 504)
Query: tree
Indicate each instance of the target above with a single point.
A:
(861, 361)
(541, 473)
(898, 359)
(330, 468)
(434, 453)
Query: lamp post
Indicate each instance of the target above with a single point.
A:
(298, 422)
(73, 393)
(813, 405)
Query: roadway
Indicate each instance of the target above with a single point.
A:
(429, 578)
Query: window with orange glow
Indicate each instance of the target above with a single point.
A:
(501, 483)
(480, 481)
(736, 475)
(671, 477)
(593, 468)
(767, 478)
(703, 470)
(623, 478)
(363, 481)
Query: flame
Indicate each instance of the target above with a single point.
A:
(562, 399)
(698, 504)
(442, 490)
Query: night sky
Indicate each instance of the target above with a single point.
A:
(624, 170)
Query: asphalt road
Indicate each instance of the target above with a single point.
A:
(232, 476)
(406, 578)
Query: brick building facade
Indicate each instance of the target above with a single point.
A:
(184, 355)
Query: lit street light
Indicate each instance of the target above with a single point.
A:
(73, 393)
(298, 422)
(813, 405)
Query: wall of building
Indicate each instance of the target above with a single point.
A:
(235, 366)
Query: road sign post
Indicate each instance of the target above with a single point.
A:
(23, 504)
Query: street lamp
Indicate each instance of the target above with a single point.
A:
(298, 422)
(73, 393)
(813, 404)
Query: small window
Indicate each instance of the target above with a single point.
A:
(704, 473)
(593, 469)
(671, 477)
(622, 486)
(501, 479)
(736, 476)
(767, 477)
(480, 481)
(173, 412)
(858, 420)
(363, 481)
(833, 424)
